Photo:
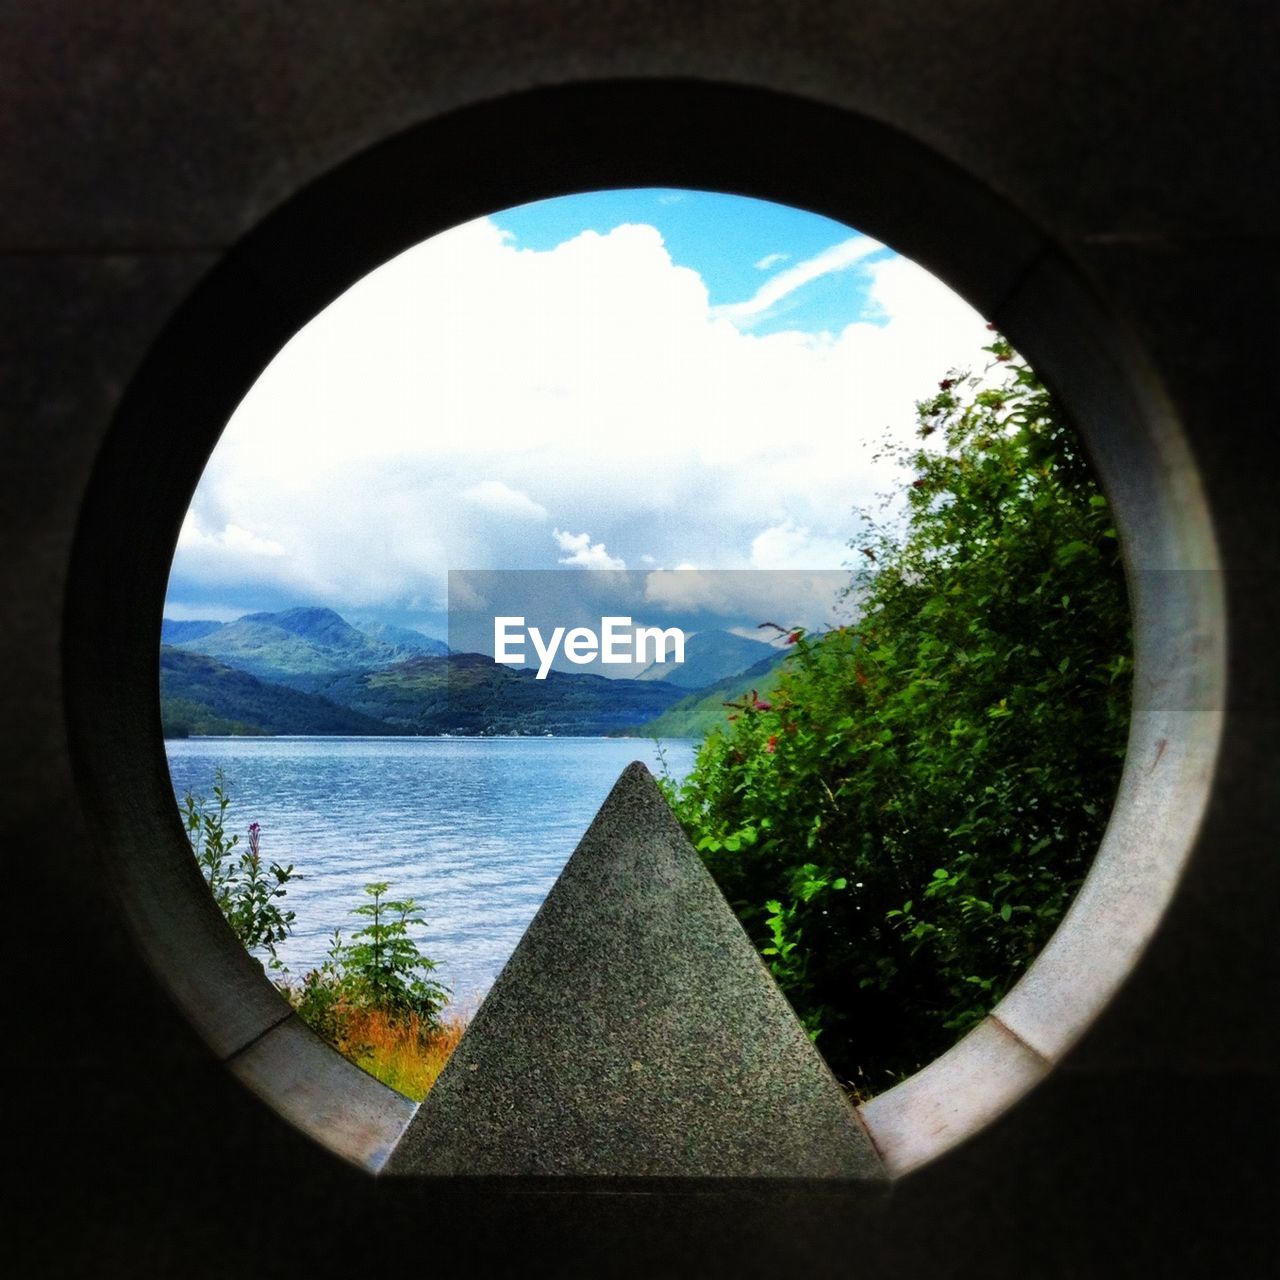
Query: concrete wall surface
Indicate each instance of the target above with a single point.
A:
(1101, 177)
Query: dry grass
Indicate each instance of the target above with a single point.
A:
(405, 1053)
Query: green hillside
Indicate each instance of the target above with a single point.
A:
(199, 695)
(697, 713)
(469, 693)
(462, 694)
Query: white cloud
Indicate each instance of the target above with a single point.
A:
(464, 596)
(365, 462)
(503, 500)
(771, 260)
(584, 553)
(188, 611)
(791, 546)
(789, 599)
(238, 541)
(838, 258)
(689, 589)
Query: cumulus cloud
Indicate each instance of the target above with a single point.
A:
(791, 546)
(407, 428)
(585, 554)
(232, 538)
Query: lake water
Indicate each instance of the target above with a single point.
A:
(475, 829)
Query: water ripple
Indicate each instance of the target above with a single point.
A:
(476, 830)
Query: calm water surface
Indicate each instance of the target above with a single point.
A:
(475, 829)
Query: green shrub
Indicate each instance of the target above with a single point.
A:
(246, 890)
(380, 970)
(372, 998)
(903, 821)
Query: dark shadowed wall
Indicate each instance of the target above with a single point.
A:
(1100, 177)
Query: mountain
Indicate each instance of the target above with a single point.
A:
(708, 656)
(699, 712)
(290, 647)
(468, 693)
(198, 694)
(311, 671)
(405, 640)
(174, 632)
(461, 694)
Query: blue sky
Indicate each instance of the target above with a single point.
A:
(641, 379)
(734, 243)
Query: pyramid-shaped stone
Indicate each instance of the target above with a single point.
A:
(635, 1031)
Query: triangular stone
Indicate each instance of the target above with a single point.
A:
(635, 1031)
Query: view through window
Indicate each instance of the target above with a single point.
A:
(897, 715)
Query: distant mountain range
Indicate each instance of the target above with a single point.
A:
(310, 671)
(709, 656)
(174, 632)
(282, 647)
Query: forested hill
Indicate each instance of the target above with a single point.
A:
(463, 694)
(468, 693)
(201, 695)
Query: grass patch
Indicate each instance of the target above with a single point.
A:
(407, 1053)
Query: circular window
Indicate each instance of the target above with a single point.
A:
(597, 137)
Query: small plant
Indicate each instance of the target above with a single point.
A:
(245, 890)
(375, 1001)
(383, 966)
(373, 998)
(319, 999)
(380, 970)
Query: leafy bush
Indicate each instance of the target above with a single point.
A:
(374, 998)
(380, 968)
(245, 889)
(902, 823)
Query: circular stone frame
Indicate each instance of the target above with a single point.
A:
(551, 142)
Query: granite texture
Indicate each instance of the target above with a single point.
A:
(635, 1031)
